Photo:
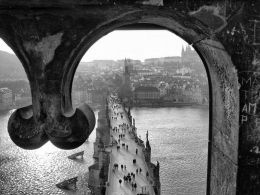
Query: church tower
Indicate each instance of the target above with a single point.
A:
(126, 77)
(125, 89)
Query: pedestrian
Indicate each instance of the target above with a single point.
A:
(125, 167)
(134, 161)
(135, 186)
(136, 151)
(120, 181)
(136, 171)
(140, 170)
(122, 166)
(127, 147)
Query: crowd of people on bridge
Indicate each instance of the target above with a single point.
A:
(127, 176)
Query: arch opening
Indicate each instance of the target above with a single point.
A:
(168, 86)
(223, 91)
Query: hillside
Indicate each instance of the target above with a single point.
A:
(10, 67)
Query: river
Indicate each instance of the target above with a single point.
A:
(36, 172)
(178, 137)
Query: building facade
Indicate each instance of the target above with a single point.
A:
(6, 98)
(144, 93)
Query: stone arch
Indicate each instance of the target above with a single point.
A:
(223, 87)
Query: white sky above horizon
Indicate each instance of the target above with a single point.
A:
(134, 44)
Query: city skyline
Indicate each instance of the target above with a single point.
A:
(146, 44)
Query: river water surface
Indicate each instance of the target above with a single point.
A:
(37, 171)
(178, 137)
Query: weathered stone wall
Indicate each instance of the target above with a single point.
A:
(51, 36)
(241, 40)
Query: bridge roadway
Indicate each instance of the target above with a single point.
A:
(123, 156)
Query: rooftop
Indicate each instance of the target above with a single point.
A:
(146, 89)
(5, 90)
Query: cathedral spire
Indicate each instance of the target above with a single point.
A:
(125, 62)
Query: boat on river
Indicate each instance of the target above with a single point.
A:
(69, 184)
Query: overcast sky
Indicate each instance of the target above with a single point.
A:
(134, 44)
